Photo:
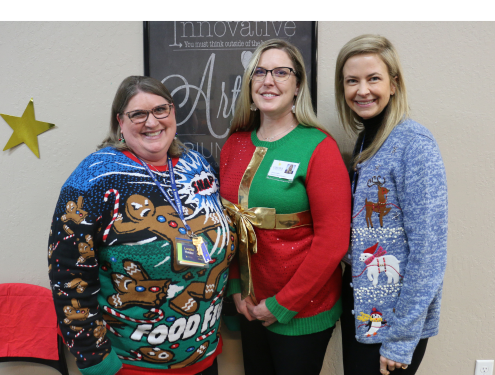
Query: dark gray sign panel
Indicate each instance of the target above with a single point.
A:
(202, 63)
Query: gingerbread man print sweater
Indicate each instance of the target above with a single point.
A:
(121, 297)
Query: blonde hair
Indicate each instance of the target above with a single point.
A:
(130, 87)
(247, 120)
(397, 109)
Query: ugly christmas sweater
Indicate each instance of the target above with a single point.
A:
(120, 295)
(296, 270)
(399, 242)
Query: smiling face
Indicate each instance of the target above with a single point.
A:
(274, 99)
(367, 85)
(150, 140)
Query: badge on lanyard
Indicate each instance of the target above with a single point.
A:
(189, 254)
(283, 171)
(201, 248)
(189, 251)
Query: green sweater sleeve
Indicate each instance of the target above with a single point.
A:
(233, 286)
(109, 366)
(282, 314)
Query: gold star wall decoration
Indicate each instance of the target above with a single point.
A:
(26, 129)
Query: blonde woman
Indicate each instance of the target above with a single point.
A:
(392, 290)
(284, 183)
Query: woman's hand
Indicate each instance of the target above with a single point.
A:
(241, 305)
(262, 313)
(391, 365)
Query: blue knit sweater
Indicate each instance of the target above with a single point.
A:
(399, 242)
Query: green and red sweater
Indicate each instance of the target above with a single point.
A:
(296, 270)
(121, 298)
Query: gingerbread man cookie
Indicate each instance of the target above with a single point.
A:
(86, 249)
(99, 332)
(187, 302)
(193, 358)
(77, 283)
(161, 220)
(74, 211)
(75, 312)
(155, 355)
(136, 288)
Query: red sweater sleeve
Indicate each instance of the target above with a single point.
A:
(329, 193)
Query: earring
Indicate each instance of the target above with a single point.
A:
(253, 107)
(121, 139)
(294, 109)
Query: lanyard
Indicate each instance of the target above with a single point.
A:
(177, 205)
(353, 188)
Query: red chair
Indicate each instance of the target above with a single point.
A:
(28, 326)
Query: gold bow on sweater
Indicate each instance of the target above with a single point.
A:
(263, 218)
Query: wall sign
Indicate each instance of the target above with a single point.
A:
(202, 63)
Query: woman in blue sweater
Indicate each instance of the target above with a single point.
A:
(398, 251)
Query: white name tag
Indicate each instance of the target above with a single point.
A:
(284, 170)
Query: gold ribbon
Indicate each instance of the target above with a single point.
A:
(263, 218)
(244, 220)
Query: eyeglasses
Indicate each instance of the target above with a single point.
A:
(141, 115)
(279, 74)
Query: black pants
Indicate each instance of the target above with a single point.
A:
(212, 370)
(268, 353)
(364, 359)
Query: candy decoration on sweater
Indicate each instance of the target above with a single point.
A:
(202, 337)
(149, 321)
(217, 297)
(52, 248)
(109, 327)
(69, 236)
(115, 210)
(79, 333)
(138, 356)
(88, 265)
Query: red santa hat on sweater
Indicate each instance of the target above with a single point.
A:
(375, 311)
(371, 250)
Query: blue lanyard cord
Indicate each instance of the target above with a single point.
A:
(176, 203)
(356, 172)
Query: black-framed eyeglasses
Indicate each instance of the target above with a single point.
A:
(279, 74)
(141, 115)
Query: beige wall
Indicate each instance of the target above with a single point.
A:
(72, 69)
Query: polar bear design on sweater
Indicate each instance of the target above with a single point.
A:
(377, 262)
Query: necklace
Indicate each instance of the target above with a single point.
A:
(269, 139)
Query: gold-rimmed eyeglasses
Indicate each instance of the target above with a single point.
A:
(279, 74)
(141, 115)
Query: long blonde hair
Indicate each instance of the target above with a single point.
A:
(397, 109)
(247, 120)
(129, 87)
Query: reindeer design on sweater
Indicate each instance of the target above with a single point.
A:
(381, 206)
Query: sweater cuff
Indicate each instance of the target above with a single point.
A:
(399, 351)
(109, 366)
(233, 286)
(282, 314)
